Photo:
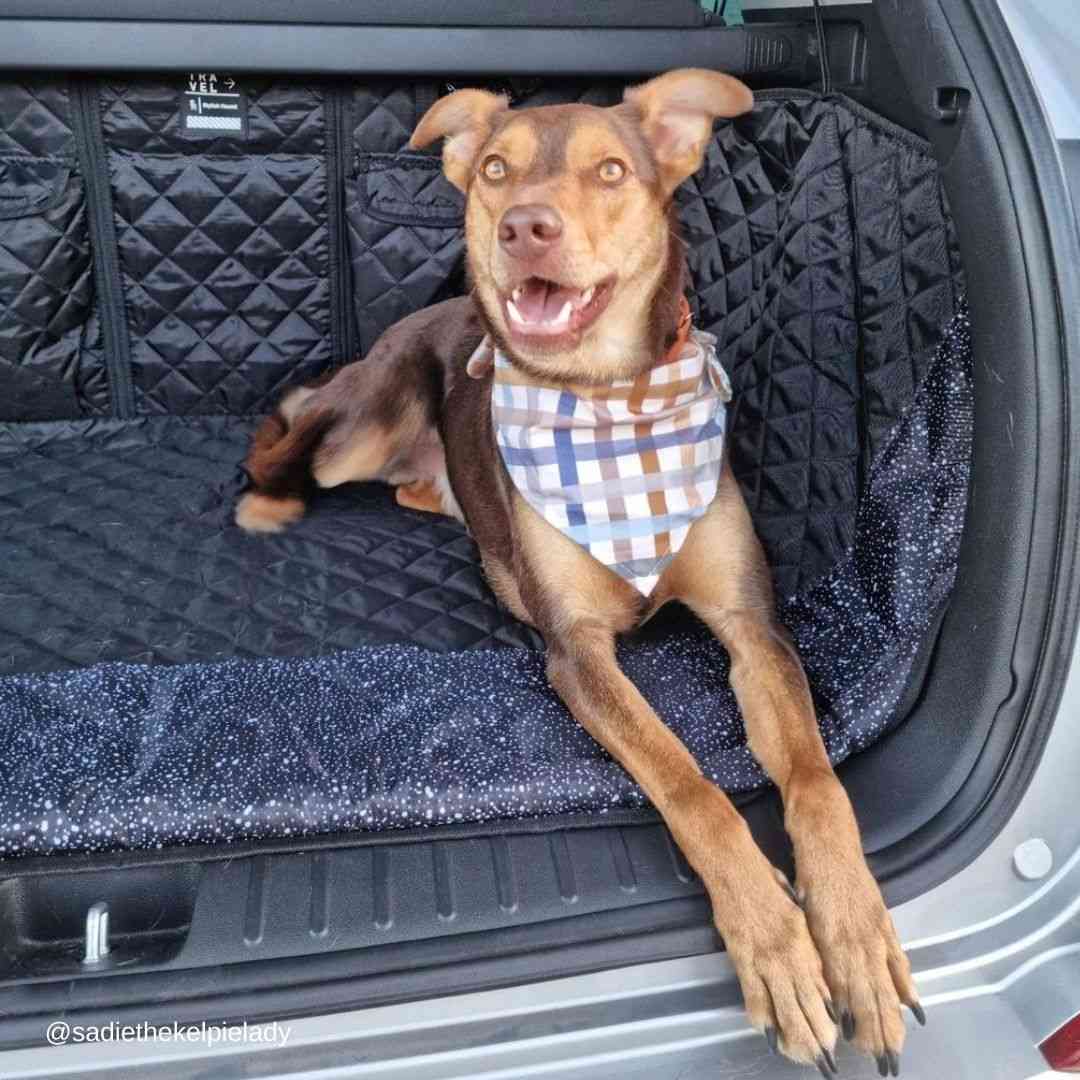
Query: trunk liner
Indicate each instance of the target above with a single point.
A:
(356, 673)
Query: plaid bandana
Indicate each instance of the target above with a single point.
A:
(624, 469)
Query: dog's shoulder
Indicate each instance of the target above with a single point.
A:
(448, 332)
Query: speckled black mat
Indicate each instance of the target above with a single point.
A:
(127, 756)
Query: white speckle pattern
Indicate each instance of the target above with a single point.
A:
(121, 756)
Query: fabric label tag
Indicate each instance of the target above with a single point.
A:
(214, 105)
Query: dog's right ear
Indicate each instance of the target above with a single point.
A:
(465, 119)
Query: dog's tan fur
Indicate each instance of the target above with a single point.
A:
(412, 415)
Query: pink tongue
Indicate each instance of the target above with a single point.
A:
(541, 301)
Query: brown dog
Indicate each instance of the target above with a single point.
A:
(576, 201)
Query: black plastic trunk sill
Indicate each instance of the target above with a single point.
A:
(317, 985)
(338, 161)
(94, 163)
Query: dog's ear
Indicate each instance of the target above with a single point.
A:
(676, 112)
(465, 119)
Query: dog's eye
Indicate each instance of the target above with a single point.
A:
(494, 168)
(611, 171)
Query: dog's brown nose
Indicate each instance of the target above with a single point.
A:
(529, 231)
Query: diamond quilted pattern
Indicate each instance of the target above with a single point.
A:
(48, 364)
(769, 249)
(51, 364)
(223, 246)
(35, 119)
(120, 545)
(903, 232)
(384, 115)
(225, 266)
(45, 298)
(399, 267)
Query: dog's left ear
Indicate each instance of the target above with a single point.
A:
(676, 113)
(465, 119)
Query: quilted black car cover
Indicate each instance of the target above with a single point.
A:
(166, 679)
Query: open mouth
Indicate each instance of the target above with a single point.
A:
(539, 308)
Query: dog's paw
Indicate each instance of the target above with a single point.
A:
(259, 513)
(782, 978)
(867, 973)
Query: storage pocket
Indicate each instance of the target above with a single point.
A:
(224, 261)
(31, 185)
(410, 189)
(406, 238)
(46, 290)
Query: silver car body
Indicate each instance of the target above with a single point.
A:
(996, 948)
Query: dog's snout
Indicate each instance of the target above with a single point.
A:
(530, 230)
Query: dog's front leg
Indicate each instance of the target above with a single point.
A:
(867, 972)
(764, 930)
(579, 606)
(721, 574)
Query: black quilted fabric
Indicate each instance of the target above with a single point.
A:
(383, 114)
(823, 259)
(406, 239)
(224, 247)
(119, 544)
(51, 360)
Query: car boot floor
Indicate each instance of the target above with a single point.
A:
(122, 547)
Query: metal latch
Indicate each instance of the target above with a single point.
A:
(950, 103)
(96, 947)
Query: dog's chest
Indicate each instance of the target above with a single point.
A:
(625, 469)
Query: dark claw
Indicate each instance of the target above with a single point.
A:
(823, 1068)
(917, 1012)
(883, 1065)
(830, 1008)
(828, 1059)
(847, 1025)
(771, 1039)
(894, 1062)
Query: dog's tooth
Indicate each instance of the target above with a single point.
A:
(516, 294)
(514, 313)
(564, 315)
(587, 295)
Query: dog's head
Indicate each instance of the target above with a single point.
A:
(572, 243)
